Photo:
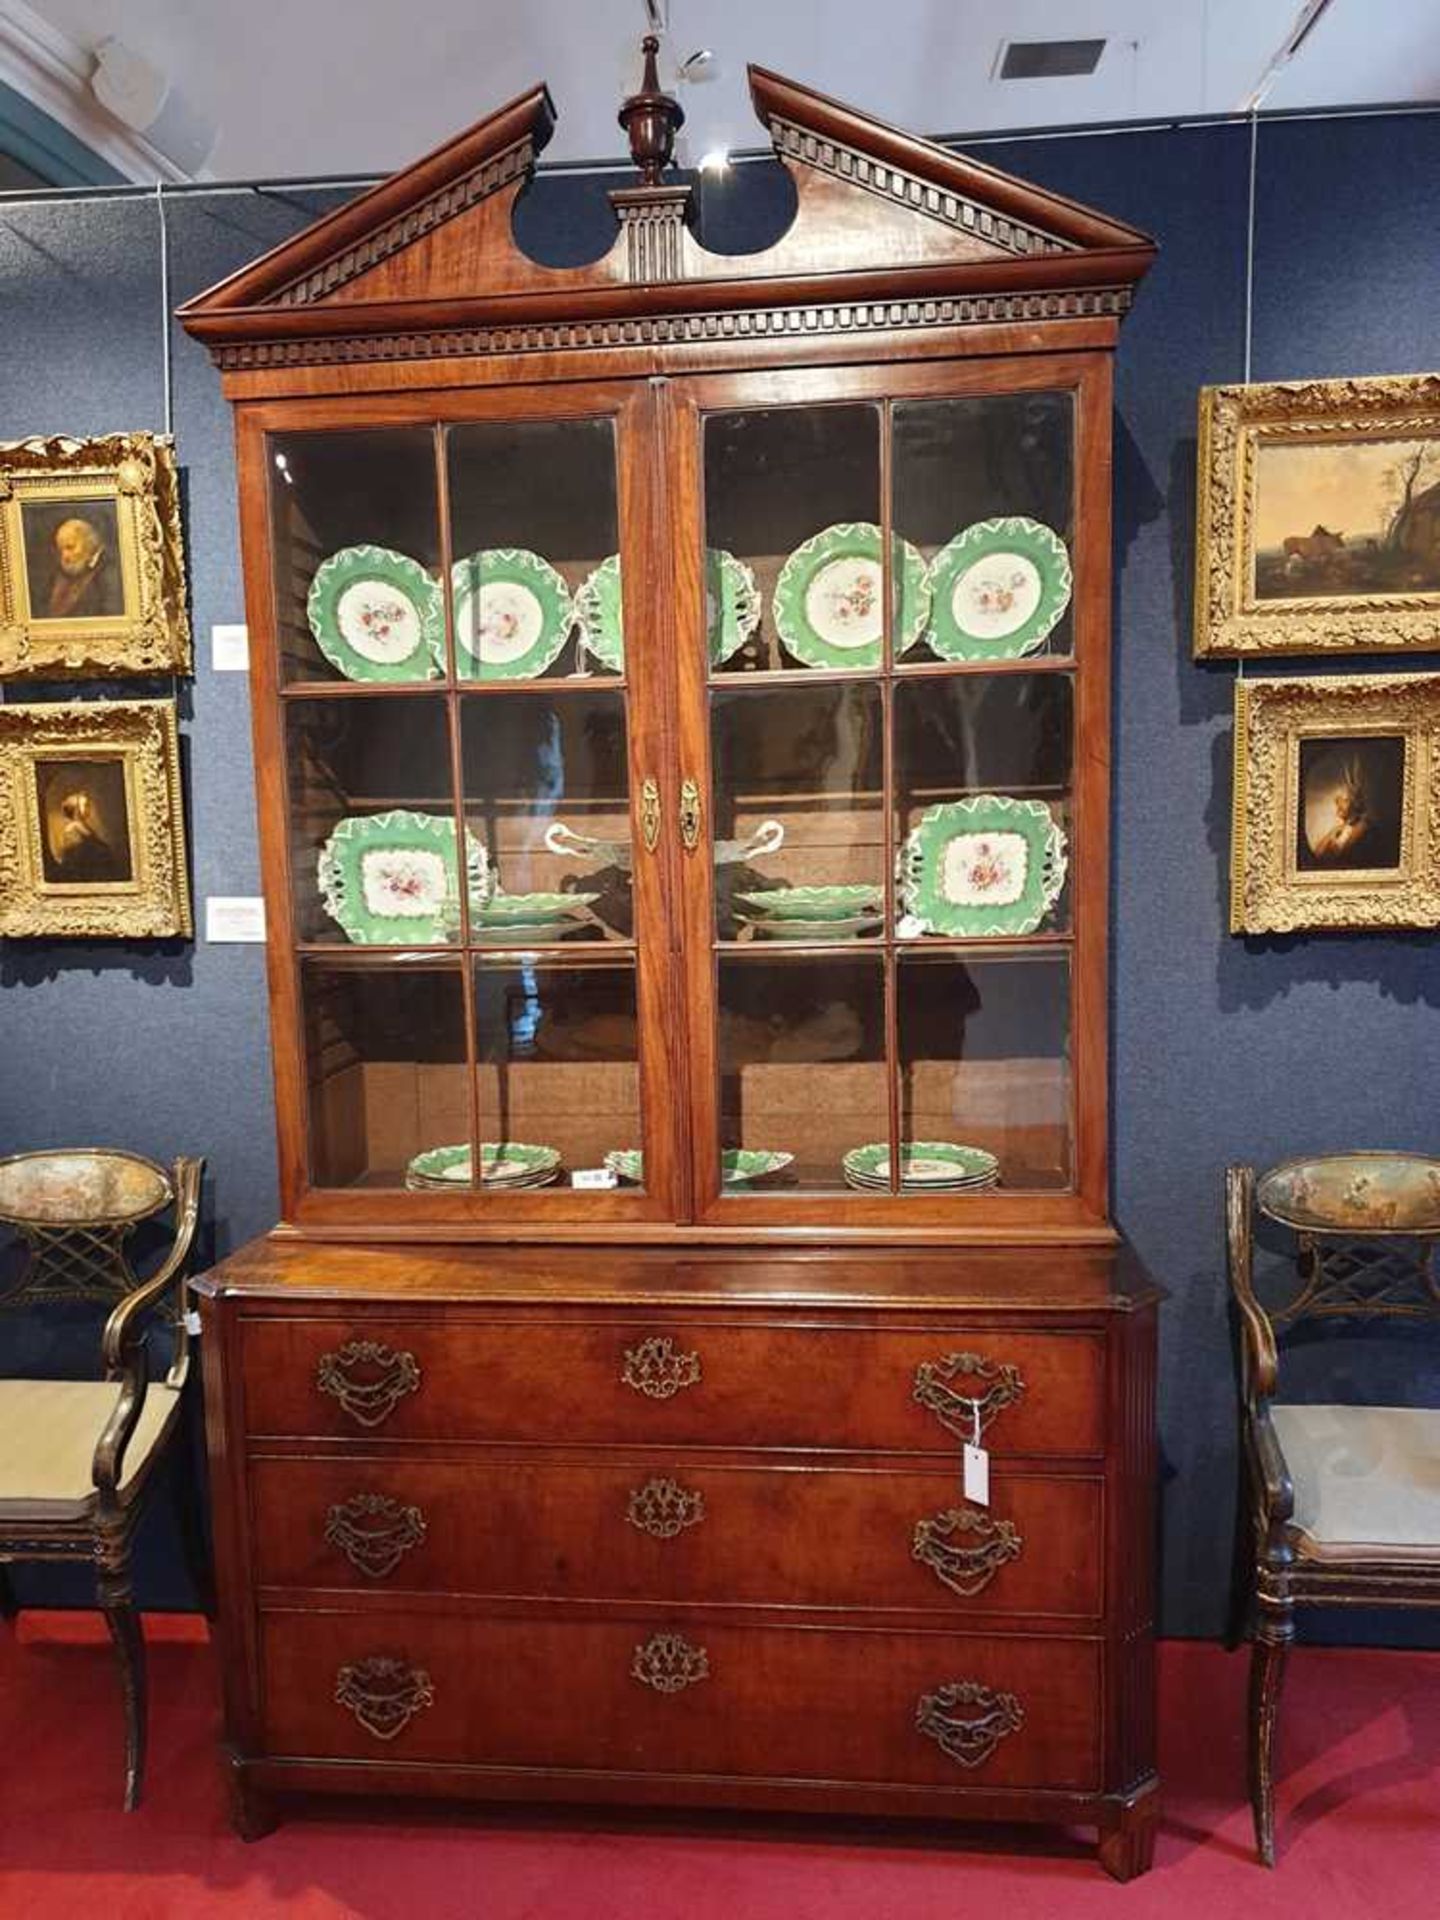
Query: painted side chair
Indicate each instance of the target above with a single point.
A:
(78, 1458)
(1337, 1505)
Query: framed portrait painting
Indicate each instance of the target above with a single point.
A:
(92, 837)
(1318, 517)
(1337, 803)
(92, 570)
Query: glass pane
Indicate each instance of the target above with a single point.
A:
(779, 480)
(985, 1059)
(547, 796)
(533, 533)
(984, 488)
(356, 532)
(372, 821)
(798, 808)
(385, 1065)
(557, 1051)
(802, 1063)
(983, 800)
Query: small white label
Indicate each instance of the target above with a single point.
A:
(594, 1177)
(192, 1322)
(977, 1475)
(230, 649)
(234, 917)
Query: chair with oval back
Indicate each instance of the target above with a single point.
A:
(78, 1457)
(1339, 1505)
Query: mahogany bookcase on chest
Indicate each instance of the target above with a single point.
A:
(645, 583)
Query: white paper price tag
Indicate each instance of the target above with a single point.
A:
(229, 649)
(192, 1322)
(977, 1475)
(234, 917)
(594, 1177)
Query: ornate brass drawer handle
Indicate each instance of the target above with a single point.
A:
(663, 1508)
(668, 1663)
(966, 1570)
(970, 1739)
(655, 1369)
(384, 1694)
(995, 1384)
(374, 1532)
(368, 1379)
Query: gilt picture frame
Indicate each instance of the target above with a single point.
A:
(1318, 517)
(92, 833)
(92, 565)
(1336, 820)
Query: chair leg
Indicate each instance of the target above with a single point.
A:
(1273, 1636)
(1242, 1563)
(118, 1603)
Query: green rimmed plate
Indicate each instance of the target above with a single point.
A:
(503, 1163)
(943, 1164)
(812, 932)
(732, 609)
(829, 602)
(987, 866)
(814, 903)
(389, 879)
(513, 614)
(377, 615)
(530, 909)
(998, 589)
(738, 1165)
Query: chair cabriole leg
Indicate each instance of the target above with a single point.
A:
(117, 1602)
(1274, 1633)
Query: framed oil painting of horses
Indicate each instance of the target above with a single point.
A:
(1318, 517)
(92, 570)
(1337, 803)
(92, 835)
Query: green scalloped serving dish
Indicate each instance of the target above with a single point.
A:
(828, 603)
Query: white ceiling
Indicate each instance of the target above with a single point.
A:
(324, 87)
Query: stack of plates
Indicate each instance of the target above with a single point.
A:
(508, 1164)
(811, 913)
(737, 1164)
(926, 1166)
(528, 919)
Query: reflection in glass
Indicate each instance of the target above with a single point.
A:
(775, 478)
(982, 458)
(558, 1058)
(802, 1062)
(357, 509)
(985, 1059)
(385, 1065)
(811, 759)
(532, 520)
(385, 761)
(547, 795)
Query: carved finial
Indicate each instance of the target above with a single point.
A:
(651, 118)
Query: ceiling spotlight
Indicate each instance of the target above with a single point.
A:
(715, 160)
(698, 66)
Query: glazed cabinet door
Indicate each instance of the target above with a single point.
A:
(892, 680)
(461, 748)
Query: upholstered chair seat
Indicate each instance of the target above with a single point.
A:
(1366, 1479)
(49, 1430)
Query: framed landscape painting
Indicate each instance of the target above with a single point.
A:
(92, 571)
(92, 837)
(1337, 803)
(1318, 517)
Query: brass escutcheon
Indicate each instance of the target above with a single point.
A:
(655, 1369)
(691, 814)
(663, 1508)
(668, 1663)
(650, 813)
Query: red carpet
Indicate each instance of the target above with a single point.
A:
(1359, 1825)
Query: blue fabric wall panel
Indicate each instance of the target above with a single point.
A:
(1222, 1049)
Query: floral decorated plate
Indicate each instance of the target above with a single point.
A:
(503, 1163)
(813, 903)
(983, 867)
(829, 602)
(732, 609)
(997, 590)
(513, 614)
(388, 879)
(737, 1164)
(938, 1164)
(377, 615)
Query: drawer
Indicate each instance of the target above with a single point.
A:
(641, 1695)
(656, 1528)
(687, 1383)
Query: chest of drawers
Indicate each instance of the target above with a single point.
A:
(658, 1528)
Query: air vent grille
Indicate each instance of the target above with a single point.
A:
(1050, 59)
